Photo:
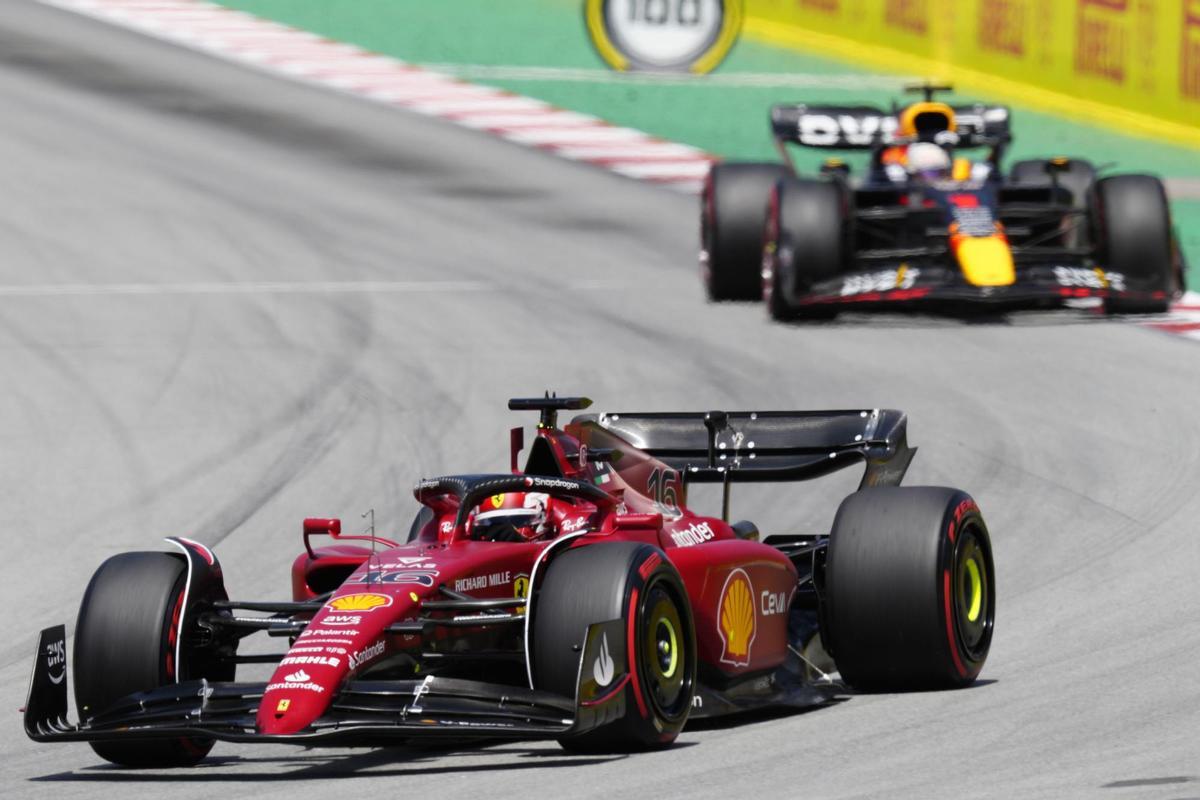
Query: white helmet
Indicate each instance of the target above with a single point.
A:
(927, 160)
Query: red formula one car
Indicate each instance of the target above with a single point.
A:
(924, 227)
(577, 599)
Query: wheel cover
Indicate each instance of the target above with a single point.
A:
(664, 653)
(973, 611)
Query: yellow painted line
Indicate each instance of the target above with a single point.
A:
(1051, 102)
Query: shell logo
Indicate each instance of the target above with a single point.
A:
(736, 622)
(359, 602)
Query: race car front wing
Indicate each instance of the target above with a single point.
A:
(1035, 287)
(363, 711)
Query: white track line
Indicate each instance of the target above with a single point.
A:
(872, 82)
(278, 287)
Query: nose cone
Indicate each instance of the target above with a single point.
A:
(986, 260)
(295, 697)
(310, 675)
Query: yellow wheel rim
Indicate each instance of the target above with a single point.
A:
(976, 590)
(671, 642)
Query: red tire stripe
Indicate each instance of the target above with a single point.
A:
(958, 664)
(631, 655)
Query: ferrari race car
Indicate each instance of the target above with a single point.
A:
(924, 227)
(577, 599)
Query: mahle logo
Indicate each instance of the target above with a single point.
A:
(663, 35)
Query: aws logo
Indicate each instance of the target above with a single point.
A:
(735, 619)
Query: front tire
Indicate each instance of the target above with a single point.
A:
(910, 589)
(1132, 224)
(733, 208)
(604, 582)
(806, 244)
(125, 642)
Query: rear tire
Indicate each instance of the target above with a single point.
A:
(806, 243)
(910, 589)
(125, 642)
(1132, 224)
(733, 209)
(603, 582)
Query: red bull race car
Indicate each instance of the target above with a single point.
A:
(575, 598)
(926, 227)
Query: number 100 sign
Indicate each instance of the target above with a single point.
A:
(663, 35)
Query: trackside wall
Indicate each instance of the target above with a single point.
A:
(1133, 64)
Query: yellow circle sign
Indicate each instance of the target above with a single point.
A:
(663, 35)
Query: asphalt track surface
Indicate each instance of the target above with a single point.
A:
(227, 302)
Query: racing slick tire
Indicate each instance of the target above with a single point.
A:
(910, 589)
(1132, 224)
(605, 582)
(805, 242)
(733, 209)
(1077, 177)
(125, 641)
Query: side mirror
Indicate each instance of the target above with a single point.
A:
(315, 525)
(601, 455)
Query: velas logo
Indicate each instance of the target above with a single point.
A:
(299, 676)
(735, 619)
(359, 602)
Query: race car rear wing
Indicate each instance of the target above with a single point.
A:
(867, 127)
(762, 446)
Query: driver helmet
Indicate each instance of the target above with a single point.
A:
(511, 517)
(928, 161)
